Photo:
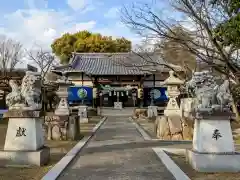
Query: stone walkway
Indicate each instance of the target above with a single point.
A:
(112, 155)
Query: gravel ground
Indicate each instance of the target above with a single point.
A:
(58, 148)
(148, 126)
(180, 160)
(117, 152)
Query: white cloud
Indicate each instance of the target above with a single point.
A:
(118, 30)
(41, 26)
(81, 26)
(112, 12)
(81, 5)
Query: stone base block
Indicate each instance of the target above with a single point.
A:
(30, 158)
(118, 105)
(24, 134)
(83, 120)
(171, 112)
(219, 162)
(98, 111)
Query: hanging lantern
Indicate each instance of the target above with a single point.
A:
(122, 94)
(114, 93)
(110, 93)
(127, 93)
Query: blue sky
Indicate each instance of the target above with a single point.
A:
(41, 21)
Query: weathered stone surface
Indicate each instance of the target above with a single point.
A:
(22, 114)
(175, 124)
(186, 106)
(152, 111)
(24, 134)
(83, 114)
(118, 105)
(213, 163)
(163, 131)
(63, 106)
(173, 92)
(213, 136)
(28, 95)
(173, 128)
(187, 126)
(177, 137)
(35, 158)
(56, 133)
(56, 127)
(73, 128)
(140, 112)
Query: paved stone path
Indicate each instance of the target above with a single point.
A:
(112, 155)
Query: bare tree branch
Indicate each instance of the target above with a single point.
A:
(10, 54)
(43, 59)
(148, 22)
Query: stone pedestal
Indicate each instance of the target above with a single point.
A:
(73, 128)
(82, 113)
(118, 105)
(213, 145)
(24, 143)
(98, 111)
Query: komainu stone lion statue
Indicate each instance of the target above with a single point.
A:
(28, 96)
(208, 93)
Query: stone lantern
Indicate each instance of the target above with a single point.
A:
(63, 106)
(173, 84)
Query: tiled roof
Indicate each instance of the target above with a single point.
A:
(115, 63)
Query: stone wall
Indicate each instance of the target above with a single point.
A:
(174, 128)
(60, 127)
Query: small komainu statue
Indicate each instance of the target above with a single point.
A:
(208, 93)
(28, 96)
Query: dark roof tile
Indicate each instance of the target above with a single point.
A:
(115, 63)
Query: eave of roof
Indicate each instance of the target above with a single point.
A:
(113, 64)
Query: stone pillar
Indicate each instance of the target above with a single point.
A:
(213, 144)
(94, 96)
(173, 84)
(82, 114)
(24, 143)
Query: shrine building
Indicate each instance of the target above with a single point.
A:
(105, 78)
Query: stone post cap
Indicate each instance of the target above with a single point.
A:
(213, 115)
(172, 80)
(22, 114)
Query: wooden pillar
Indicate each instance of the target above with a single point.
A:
(95, 84)
(82, 78)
